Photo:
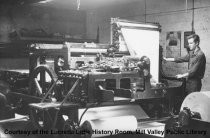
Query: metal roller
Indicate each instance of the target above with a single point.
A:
(198, 102)
(110, 126)
(113, 111)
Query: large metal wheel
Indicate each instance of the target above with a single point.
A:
(42, 80)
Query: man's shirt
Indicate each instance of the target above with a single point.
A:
(197, 63)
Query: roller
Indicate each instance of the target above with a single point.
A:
(198, 102)
(110, 126)
(113, 111)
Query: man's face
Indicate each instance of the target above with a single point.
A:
(192, 44)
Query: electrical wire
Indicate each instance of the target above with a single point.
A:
(145, 11)
(82, 115)
(85, 112)
(193, 16)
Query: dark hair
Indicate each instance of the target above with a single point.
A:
(195, 37)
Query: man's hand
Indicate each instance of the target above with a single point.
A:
(164, 59)
(178, 76)
(168, 59)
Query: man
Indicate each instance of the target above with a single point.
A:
(197, 64)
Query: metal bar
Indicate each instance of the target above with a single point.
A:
(55, 118)
(49, 91)
(23, 118)
(50, 117)
(141, 28)
(71, 90)
(137, 22)
(148, 120)
(38, 86)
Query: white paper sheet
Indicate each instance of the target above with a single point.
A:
(144, 43)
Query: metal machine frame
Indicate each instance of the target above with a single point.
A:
(73, 87)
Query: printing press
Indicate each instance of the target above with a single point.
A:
(98, 90)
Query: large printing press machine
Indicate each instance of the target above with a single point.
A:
(110, 90)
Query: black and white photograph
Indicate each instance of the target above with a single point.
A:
(104, 69)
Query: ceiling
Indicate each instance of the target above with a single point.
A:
(83, 4)
(70, 4)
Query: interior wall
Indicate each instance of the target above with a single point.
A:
(100, 18)
(172, 15)
(56, 22)
(177, 16)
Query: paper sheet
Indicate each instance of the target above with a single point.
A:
(144, 43)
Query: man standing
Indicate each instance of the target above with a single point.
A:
(197, 64)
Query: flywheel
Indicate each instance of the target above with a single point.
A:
(43, 79)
